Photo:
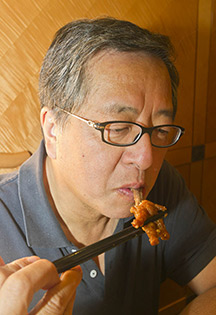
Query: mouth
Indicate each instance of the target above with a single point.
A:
(127, 191)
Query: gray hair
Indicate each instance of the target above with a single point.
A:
(63, 78)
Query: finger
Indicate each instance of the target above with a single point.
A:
(60, 299)
(7, 269)
(21, 286)
(19, 263)
(69, 309)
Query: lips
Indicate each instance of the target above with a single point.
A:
(133, 186)
(127, 192)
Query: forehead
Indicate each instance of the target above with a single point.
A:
(127, 79)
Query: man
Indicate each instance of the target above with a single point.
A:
(108, 93)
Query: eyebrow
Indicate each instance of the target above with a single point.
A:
(118, 108)
(165, 112)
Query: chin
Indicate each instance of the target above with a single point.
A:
(120, 215)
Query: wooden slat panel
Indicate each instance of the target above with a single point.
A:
(203, 43)
(170, 292)
(179, 156)
(211, 102)
(210, 150)
(208, 191)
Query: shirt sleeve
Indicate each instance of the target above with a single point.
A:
(192, 243)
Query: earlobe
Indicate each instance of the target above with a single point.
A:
(48, 125)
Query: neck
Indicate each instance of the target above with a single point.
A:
(81, 225)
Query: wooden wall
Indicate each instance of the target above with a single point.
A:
(26, 30)
(196, 159)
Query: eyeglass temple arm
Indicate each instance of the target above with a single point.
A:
(89, 122)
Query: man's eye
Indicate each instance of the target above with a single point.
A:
(120, 130)
(162, 132)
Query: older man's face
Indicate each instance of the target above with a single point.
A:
(98, 177)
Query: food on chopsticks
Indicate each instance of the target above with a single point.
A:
(142, 210)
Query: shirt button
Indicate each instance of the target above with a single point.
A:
(93, 273)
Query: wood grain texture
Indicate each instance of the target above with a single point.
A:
(13, 160)
(27, 28)
(202, 68)
(210, 150)
(211, 99)
(179, 156)
(208, 187)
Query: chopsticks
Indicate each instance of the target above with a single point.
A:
(102, 246)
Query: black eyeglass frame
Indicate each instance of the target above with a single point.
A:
(102, 125)
(149, 130)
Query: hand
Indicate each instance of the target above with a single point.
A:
(20, 279)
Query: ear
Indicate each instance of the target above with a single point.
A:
(49, 128)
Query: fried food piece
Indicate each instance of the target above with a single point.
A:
(142, 211)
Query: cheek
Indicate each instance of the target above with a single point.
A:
(89, 166)
(98, 164)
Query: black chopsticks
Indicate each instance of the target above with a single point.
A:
(102, 246)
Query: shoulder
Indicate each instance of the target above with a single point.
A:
(10, 206)
(8, 185)
(9, 195)
(7, 178)
(192, 234)
(11, 223)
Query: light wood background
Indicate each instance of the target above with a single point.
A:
(26, 30)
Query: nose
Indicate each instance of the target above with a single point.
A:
(139, 154)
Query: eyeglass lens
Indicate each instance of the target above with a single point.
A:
(124, 134)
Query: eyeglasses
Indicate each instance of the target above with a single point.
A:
(126, 133)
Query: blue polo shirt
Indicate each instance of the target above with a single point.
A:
(133, 270)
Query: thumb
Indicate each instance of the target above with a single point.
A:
(60, 298)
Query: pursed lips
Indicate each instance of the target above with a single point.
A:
(126, 189)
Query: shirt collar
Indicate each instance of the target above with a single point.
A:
(41, 225)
